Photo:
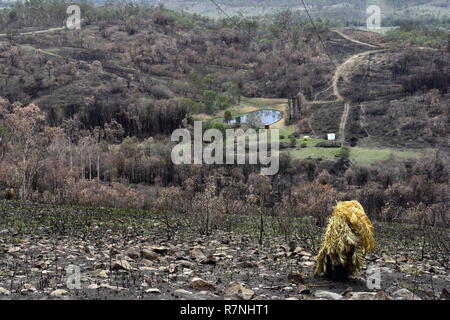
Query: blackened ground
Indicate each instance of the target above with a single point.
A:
(126, 255)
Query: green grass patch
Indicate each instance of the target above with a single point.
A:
(316, 153)
(357, 154)
(367, 156)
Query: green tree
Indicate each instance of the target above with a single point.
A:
(210, 81)
(227, 115)
(232, 89)
(222, 101)
(209, 101)
(191, 106)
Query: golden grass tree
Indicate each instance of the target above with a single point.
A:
(348, 238)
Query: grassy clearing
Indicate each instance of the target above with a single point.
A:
(316, 153)
(367, 156)
(285, 132)
(357, 154)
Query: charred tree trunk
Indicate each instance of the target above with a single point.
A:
(336, 273)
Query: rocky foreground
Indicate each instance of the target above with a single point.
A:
(222, 266)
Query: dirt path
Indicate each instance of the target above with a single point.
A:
(343, 123)
(339, 71)
(35, 32)
(354, 40)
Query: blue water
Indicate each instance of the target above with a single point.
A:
(267, 117)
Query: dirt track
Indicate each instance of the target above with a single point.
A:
(343, 123)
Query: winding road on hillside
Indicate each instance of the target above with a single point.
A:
(35, 32)
(343, 35)
(335, 79)
(339, 73)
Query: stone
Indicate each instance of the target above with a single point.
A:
(200, 284)
(328, 295)
(147, 263)
(362, 296)
(93, 286)
(148, 270)
(160, 249)
(304, 254)
(197, 255)
(149, 255)
(405, 294)
(207, 295)
(41, 265)
(246, 294)
(237, 289)
(187, 272)
(298, 250)
(58, 293)
(121, 265)
(99, 265)
(445, 294)
(172, 268)
(133, 253)
(5, 291)
(383, 295)
(108, 286)
(102, 274)
(182, 292)
(153, 290)
(27, 287)
(210, 259)
(187, 264)
(308, 264)
(13, 249)
(302, 289)
(296, 278)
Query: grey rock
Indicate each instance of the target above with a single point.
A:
(121, 265)
(182, 292)
(153, 290)
(328, 295)
(445, 294)
(5, 291)
(133, 253)
(237, 289)
(405, 294)
(302, 289)
(149, 254)
(362, 296)
(58, 292)
(197, 255)
(200, 284)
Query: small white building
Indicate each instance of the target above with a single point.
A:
(331, 137)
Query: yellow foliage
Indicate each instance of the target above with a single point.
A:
(348, 238)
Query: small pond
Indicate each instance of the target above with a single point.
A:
(259, 117)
